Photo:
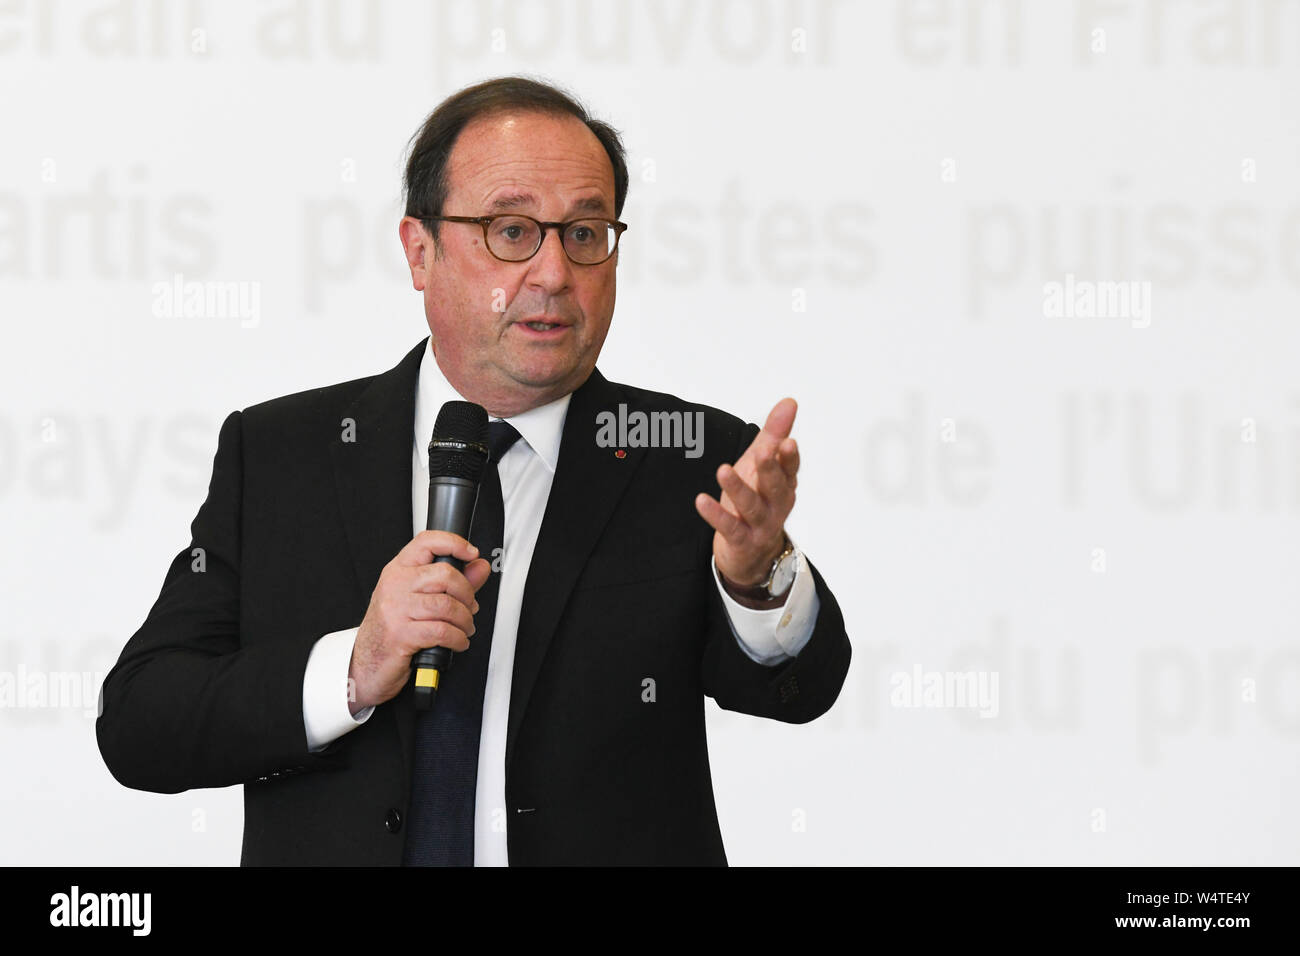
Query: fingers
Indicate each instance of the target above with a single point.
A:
(754, 508)
(748, 503)
(781, 418)
(438, 634)
(449, 613)
(769, 476)
(774, 436)
(415, 604)
(427, 545)
(788, 457)
(774, 478)
(757, 497)
(445, 579)
(441, 607)
(719, 518)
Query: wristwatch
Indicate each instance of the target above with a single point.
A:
(779, 578)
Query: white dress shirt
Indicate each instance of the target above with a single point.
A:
(768, 637)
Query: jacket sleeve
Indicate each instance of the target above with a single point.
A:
(796, 690)
(188, 704)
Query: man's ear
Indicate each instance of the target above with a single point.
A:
(417, 245)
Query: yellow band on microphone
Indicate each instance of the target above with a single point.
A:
(426, 677)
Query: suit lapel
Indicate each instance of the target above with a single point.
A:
(373, 477)
(589, 481)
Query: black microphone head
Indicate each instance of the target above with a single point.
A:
(459, 448)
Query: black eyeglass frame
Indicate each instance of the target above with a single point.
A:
(485, 221)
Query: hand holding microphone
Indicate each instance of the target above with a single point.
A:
(416, 605)
(422, 608)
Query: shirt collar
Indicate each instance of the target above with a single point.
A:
(540, 427)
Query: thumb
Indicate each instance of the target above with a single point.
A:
(477, 572)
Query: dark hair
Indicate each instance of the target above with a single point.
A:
(425, 181)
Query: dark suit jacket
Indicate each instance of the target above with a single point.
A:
(295, 530)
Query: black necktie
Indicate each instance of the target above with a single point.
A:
(445, 775)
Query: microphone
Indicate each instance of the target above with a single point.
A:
(458, 455)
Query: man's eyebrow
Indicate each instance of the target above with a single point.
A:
(589, 204)
(515, 200)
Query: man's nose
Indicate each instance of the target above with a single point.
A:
(550, 268)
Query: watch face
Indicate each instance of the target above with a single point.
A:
(783, 576)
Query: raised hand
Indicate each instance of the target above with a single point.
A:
(757, 497)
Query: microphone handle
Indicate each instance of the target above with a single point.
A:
(452, 502)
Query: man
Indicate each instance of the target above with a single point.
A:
(616, 594)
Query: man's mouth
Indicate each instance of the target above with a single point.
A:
(542, 325)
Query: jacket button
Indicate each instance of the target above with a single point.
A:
(393, 821)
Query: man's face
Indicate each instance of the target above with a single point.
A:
(477, 306)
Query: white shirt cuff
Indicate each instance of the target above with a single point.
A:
(780, 633)
(326, 691)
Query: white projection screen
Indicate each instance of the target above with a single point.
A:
(1031, 271)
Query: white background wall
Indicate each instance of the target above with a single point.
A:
(1101, 510)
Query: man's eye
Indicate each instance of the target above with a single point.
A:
(583, 234)
(513, 232)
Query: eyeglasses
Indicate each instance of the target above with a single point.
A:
(513, 238)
